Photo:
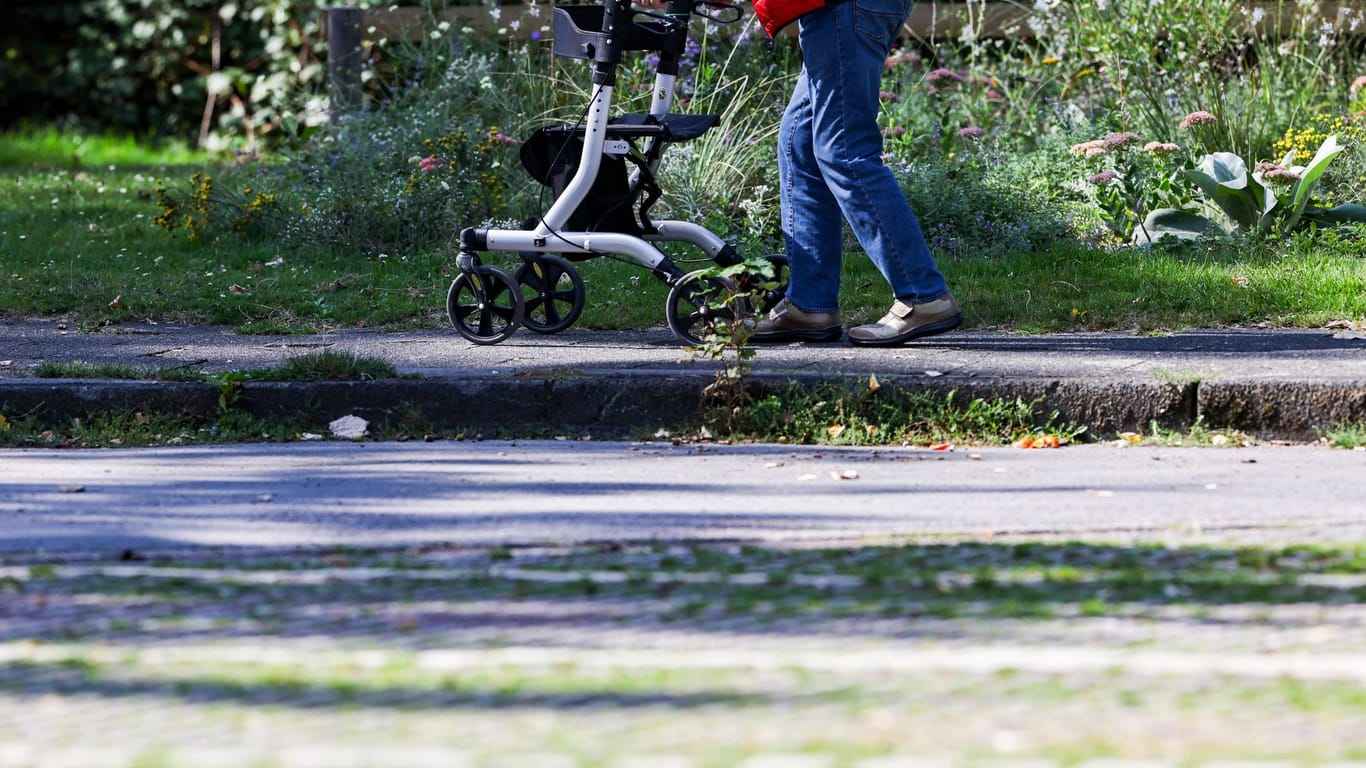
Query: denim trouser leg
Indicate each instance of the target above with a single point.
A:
(830, 161)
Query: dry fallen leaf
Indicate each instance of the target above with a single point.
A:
(873, 384)
(941, 447)
(845, 474)
(835, 430)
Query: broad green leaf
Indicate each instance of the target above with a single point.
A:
(1305, 186)
(1349, 213)
(1224, 178)
(1169, 222)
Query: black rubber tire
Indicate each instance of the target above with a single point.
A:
(485, 306)
(552, 292)
(697, 304)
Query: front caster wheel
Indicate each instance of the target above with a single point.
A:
(552, 291)
(700, 305)
(485, 305)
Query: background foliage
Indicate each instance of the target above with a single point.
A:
(982, 131)
(214, 72)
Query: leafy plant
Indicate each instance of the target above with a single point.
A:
(1252, 200)
(229, 389)
(728, 342)
(1132, 181)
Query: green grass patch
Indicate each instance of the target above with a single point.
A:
(1345, 435)
(132, 429)
(55, 148)
(81, 243)
(326, 366)
(870, 415)
(82, 370)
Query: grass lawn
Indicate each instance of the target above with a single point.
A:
(78, 233)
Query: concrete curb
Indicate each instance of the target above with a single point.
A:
(621, 403)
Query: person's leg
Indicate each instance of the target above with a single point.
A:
(812, 227)
(844, 48)
(812, 232)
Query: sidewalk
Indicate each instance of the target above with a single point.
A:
(1279, 384)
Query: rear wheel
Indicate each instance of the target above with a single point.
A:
(700, 305)
(552, 292)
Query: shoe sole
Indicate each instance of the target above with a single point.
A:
(824, 335)
(931, 329)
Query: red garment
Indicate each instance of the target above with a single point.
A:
(776, 14)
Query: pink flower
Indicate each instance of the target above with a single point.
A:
(901, 57)
(1090, 149)
(1116, 140)
(1198, 118)
(971, 132)
(503, 138)
(429, 163)
(1103, 178)
(1358, 84)
(894, 132)
(1161, 148)
(1276, 172)
(943, 73)
(888, 96)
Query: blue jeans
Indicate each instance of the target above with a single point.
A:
(830, 161)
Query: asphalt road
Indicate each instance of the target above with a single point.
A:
(527, 492)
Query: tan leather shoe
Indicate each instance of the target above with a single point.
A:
(904, 322)
(787, 323)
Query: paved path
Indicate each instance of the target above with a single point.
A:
(595, 604)
(362, 494)
(1334, 354)
(1282, 384)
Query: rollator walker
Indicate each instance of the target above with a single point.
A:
(601, 206)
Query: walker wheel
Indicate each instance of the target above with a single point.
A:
(700, 305)
(552, 291)
(485, 305)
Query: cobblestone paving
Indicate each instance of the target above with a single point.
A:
(946, 654)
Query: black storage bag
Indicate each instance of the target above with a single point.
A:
(551, 156)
